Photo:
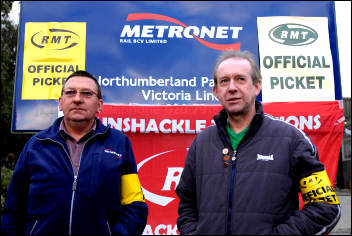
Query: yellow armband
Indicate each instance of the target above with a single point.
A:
(131, 189)
(317, 188)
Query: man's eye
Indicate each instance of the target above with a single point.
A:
(241, 79)
(70, 92)
(86, 93)
(222, 81)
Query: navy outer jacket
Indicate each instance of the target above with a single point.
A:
(257, 193)
(44, 196)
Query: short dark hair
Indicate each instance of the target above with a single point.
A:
(85, 74)
(255, 73)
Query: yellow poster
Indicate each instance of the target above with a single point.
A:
(52, 51)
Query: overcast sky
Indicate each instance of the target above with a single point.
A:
(343, 22)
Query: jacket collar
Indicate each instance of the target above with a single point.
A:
(221, 123)
(53, 132)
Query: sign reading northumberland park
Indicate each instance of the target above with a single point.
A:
(154, 62)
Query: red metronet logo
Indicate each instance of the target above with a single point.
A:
(180, 30)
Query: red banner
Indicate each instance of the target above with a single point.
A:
(323, 122)
(160, 136)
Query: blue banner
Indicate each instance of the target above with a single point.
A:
(154, 53)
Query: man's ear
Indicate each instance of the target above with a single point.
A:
(100, 106)
(258, 87)
(60, 103)
(215, 92)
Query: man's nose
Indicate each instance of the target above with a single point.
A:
(232, 85)
(77, 97)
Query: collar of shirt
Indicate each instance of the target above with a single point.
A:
(75, 147)
(68, 137)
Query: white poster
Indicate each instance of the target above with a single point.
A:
(295, 59)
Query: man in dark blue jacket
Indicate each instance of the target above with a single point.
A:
(243, 175)
(78, 176)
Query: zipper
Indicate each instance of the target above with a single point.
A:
(232, 184)
(109, 228)
(30, 233)
(74, 185)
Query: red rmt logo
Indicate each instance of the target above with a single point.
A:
(161, 174)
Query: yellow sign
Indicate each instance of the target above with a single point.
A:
(52, 51)
(317, 188)
(295, 59)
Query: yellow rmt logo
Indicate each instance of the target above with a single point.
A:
(57, 39)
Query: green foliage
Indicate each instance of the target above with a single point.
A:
(8, 60)
(11, 144)
(6, 174)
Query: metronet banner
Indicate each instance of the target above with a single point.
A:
(52, 51)
(295, 57)
(154, 62)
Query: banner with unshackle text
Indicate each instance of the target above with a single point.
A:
(52, 51)
(161, 136)
(295, 58)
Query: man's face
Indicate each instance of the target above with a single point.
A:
(80, 107)
(235, 89)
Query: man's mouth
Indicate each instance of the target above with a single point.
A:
(234, 99)
(77, 109)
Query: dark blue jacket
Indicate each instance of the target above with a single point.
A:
(258, 192)
(44, 197)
